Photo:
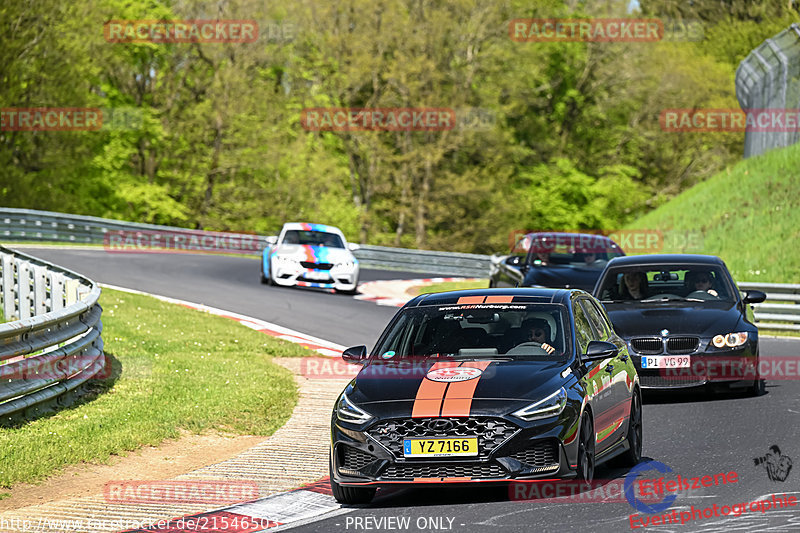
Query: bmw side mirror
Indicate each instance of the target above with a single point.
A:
(272, 239)
(356, 355)
(353, 246)
(754, 297)
(598, 350)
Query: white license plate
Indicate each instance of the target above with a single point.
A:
(313, 274)
(666, 361)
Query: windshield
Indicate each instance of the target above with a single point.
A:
(573, 250)
(313, 238)
(663, 283)
(503, 330)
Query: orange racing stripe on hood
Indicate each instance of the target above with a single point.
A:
(430, 394)
(458, 401)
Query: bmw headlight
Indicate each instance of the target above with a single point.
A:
(550, 406)
(348, 412)
(347, 265)
(285, 259)
(730, 340)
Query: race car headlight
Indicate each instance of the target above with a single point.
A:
(285, 259)
(550, 406)
(348, 412)
(730, 340)
(346, 265)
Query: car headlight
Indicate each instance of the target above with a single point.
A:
(348, 412)
(730, 340)
(346, 265)
(285, 259)
(550, 406)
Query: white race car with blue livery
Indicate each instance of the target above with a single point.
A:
(310, 255)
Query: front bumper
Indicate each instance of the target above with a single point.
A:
(734, 367)
(507, 452)
(293, 274)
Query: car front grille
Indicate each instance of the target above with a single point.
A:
(491, 432)
(355, 459)
(440, 470)
(541, 455)
(647, 345)
(318, 266)
(682, 345)
(657, 381)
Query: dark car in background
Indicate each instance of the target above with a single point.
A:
(490, 385)
(684, 319)
(554, 260)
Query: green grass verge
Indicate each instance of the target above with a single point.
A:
(452, 286)
(748, 215)
(177, 369)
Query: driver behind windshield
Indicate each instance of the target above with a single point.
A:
(701, 280)
(537, 330)
(634, 285)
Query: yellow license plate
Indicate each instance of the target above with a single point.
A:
(445, 447)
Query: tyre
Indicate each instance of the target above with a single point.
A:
(350, 495)
(633, 455)
(586, 447)
(758, 387)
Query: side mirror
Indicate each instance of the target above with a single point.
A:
(353, 246)
(754, 297)
(272, 239)
(598, 350)
(514, 260)
(356, 355)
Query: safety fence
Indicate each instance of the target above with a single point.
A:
(769, 79)
(50, 340)
(780, 311)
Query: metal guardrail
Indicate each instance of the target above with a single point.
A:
(51, 342)
(49, 226)
(782, 305)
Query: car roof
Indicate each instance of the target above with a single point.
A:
(308, 226)
(668, 259)
(575, 240)
(480, 296)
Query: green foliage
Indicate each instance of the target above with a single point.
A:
(573, 139)
(748, 214)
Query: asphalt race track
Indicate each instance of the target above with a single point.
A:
(695, 434)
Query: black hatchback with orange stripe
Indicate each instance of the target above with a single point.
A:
(486, 386)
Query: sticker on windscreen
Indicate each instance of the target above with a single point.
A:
(387, 355)
(450, 375)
